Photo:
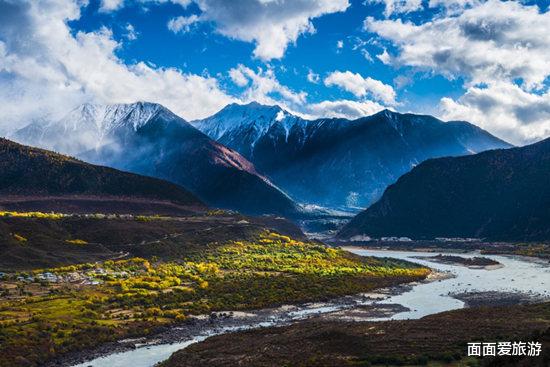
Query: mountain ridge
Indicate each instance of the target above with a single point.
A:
(33, 173)
(499, 194)
(335, 162)
(149, 139)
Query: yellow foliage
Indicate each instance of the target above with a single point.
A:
(32, 215)
(19, 237)
(77, 242)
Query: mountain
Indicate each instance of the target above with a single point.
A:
(240, 127)
(496, 195)
(340, 163)
(147, 138)
(35, 175)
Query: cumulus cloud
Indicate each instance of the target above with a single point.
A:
(493, 41)
(500, 49)
(505, 109)
(45, 69)
(361, 87)
(271, 24)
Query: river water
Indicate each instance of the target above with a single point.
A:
(517, 275)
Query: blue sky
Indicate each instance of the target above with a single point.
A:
(201, 50)
(482, 61)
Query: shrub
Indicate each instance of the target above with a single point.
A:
(19, 238)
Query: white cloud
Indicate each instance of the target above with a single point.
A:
(342, 109)
(182, 24)
(398, 6)
(265, 88)
(46, 70)
(271, 24)
(505, 109)
(238, 77)
(453, 6)
(384, 57)
(131, 34)
(183, 3)
(500, 49)
(118, 4)
(110, 5)
(366, 55)
(361, 87)
(340, 44)
(493, 41)
(313, 77)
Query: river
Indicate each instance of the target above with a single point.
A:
(517, 275)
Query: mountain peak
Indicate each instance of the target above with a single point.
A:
(252, 119)
(91, 125)
(250, 109)
(101, 119)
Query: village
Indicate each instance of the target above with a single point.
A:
(22, 284)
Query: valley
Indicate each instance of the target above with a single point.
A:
(338, 326)
(339, 163)
(102, 267)
(274, 183)
(209, 265)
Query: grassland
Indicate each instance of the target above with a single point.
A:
(45, 313)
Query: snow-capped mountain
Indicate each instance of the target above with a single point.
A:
(149, 139)
(242, 126)
(90, 126)
(340, 163)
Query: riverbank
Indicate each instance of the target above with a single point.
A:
(439, 338)
(472, 262)
(480, 299)
(200, 327)
(540, 250)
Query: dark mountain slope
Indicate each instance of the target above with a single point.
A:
(32, 172)
(498, 194)
(337, 162)
(179, 153)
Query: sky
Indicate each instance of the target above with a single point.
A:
(486, 62)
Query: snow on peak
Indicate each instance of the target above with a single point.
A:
(280, 116)
(253, 118)
(91, 125)
(106, 118)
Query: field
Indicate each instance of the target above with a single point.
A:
(47, 312)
